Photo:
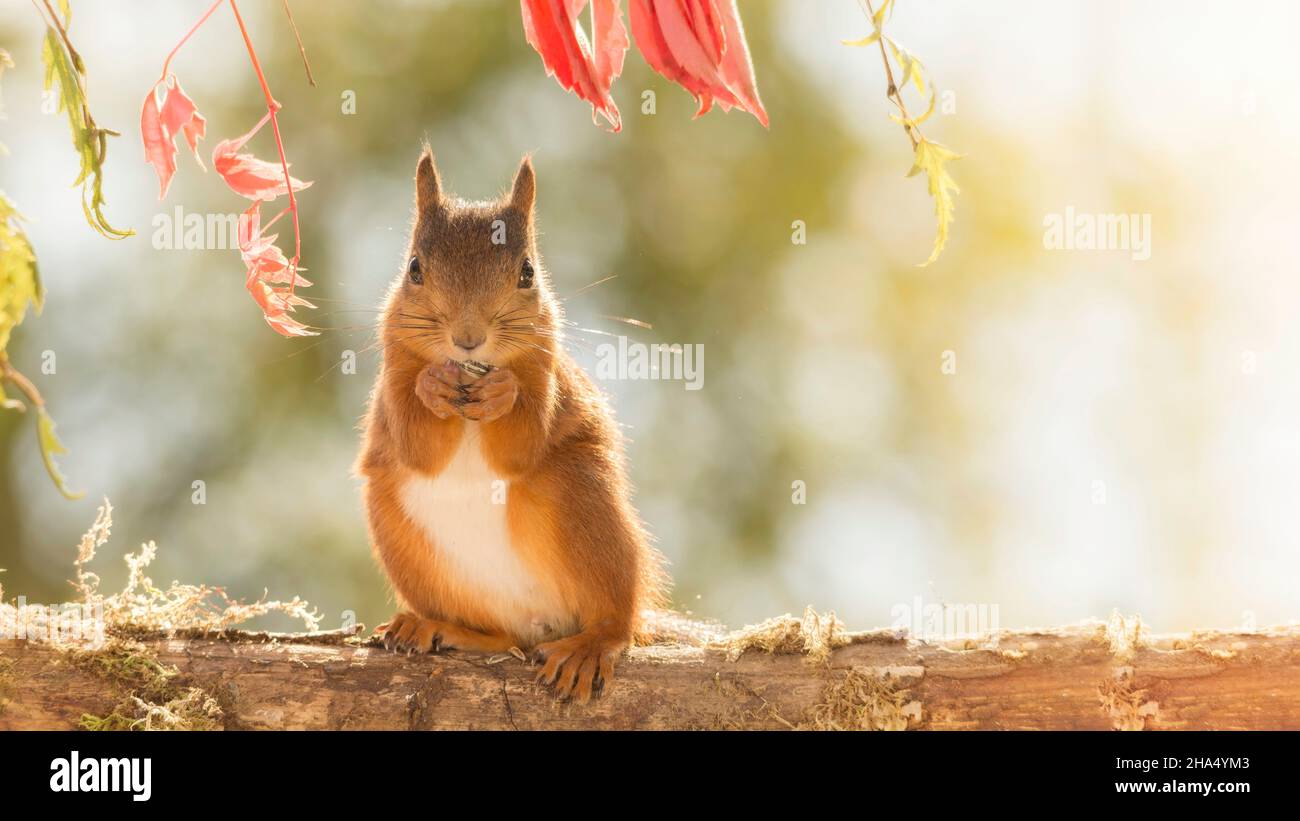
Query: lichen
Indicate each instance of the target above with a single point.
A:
(152, 694)
(815, 635)
(98, 634)
(857, 700)
(1124, 636)
(140, 608)
(129, 665)
(193, 709)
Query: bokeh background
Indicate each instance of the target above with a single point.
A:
(1118, 433)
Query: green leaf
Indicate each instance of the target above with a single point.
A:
(51, 447)
(931, 157)
(90, 141)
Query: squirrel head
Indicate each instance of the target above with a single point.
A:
(473, 287)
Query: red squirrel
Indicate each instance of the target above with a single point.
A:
(494, 480)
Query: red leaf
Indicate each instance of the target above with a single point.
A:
(610, 40)
(551, 27)
(270, 276)
(161, 122)
(158, 150)
(248, 176)
(737, 67)
(700, 45)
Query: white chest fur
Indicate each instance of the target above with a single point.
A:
(462, 511)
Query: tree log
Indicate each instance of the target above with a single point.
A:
(1083, 677)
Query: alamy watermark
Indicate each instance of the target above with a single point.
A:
(637, 360)
(942, 621)
(54, 623)
(125, 775)
(179, 231)
(1073, 231)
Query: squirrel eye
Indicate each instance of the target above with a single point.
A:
(413, 271)
(526, 274)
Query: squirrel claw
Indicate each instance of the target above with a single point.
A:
(491, 397)
(410, 635)
(578, 665)
(439, 388)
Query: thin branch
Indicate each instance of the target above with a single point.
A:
(78, 65)
(12, 374)
(301, 49)
(894, 93)
(167, 63)
(63, 35)
(272, 107)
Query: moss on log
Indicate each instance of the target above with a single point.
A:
(1093, 676)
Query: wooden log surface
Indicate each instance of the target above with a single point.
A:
(1083, 677)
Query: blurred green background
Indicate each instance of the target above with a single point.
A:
(1118, 433)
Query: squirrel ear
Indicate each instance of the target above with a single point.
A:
(428, 188)
(525, 188)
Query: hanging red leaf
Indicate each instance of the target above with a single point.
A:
(179, 112)
(168, 111)
(271, 277)
(700, 45)
(552, 28)
(248, 176)
(610, 38)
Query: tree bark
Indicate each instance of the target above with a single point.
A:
(1084, 677)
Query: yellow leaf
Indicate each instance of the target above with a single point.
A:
(20, 280)
(51, 447)
(931, 158)
(878, 19)
(10, 404)
(913, 68)
(915, 121)
(5, 62)
(865, 41)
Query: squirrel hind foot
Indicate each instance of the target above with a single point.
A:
(577, 666)
(409, 633)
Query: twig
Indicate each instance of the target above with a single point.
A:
(167, 63)
(894, 93)
(272, 107)
(63, 35)
(9, 372)
(301, 49)
(78, 65)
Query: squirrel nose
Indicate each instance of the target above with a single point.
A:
(467, 343)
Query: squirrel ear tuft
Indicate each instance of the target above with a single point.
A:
(428, 188)
(524, 190)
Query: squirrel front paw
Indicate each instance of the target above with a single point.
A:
(439, 388)
(491, 396)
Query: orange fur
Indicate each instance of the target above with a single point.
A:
(541, 425)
